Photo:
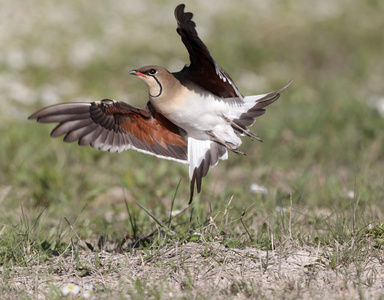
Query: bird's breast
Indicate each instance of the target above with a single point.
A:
(196, 111)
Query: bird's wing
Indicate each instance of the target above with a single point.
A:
(116, 126)
(202, 154)
(203, 70)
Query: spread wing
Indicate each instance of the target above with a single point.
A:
(203, 70)
(116, 126)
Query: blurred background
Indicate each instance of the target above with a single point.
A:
(323, 139)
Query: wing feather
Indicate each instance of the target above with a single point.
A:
(203, 70)
(116, 126)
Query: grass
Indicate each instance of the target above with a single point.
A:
(76, 215)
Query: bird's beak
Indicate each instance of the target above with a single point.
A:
(134, 72)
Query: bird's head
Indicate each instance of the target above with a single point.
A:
(155, 77)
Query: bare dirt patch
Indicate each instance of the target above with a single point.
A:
(195, 270)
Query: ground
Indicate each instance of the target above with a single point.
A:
(206, 270)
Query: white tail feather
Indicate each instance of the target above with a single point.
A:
(196, 153)
(203, 154)
(237, 108)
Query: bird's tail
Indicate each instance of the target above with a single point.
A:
(202, 154)
(243, 114)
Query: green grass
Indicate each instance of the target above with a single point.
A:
(62, 205)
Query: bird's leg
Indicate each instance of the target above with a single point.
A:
(241, 129)
(237, 151)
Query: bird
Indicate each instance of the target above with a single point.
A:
(193, 116)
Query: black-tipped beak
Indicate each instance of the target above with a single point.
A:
(134, 72)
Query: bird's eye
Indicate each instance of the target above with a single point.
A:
(152, 72)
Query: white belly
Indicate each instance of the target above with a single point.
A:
(198, 114)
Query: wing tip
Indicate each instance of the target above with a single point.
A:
(179, 11)
(183, 18)
(179, 8)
